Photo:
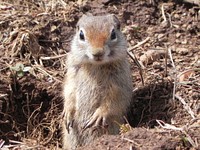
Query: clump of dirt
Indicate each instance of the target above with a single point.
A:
(138, 138)
(164, 52)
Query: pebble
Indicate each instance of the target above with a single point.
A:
(176, 16)
(178, 35)
(182, 50)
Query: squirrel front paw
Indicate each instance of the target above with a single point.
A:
(69, 119)
(99, 118)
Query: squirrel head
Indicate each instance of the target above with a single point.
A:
(98, 40)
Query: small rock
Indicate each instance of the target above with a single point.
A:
(176, 16)
(157, 65)
(184, 14)
(182, 50)
(178, 35)
(184, 41)
(177, 41)
(184, 26)
(176, 26)
(198, 63)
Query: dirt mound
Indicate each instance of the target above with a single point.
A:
(164, 39)
(138, 138)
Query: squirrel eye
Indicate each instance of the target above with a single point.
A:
(82, 37)
(113, 35)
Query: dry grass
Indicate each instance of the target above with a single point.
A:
(24, 25)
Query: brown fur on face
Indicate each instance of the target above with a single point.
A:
(97, 42)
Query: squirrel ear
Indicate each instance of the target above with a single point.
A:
(116, 21)
(82, 19)
(88, 14)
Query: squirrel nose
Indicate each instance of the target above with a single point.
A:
(98, 54)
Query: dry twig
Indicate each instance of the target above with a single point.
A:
(175, 76)
(163, 13)
(138, 44)
(172, 127)
(186, 106)
(42, 70)
(53, 57)
(134, 58)
(131, 141)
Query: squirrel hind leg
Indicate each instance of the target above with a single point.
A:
(70, 141)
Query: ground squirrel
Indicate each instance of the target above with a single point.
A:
(98, 86)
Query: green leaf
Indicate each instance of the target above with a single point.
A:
(20, 73)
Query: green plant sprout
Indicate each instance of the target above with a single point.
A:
(20, 69)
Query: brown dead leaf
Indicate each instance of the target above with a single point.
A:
(183, 76)
(152, 55)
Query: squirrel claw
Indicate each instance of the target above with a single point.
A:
(89, 123)
(69, 120)
(69, 125)
(96, 121)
